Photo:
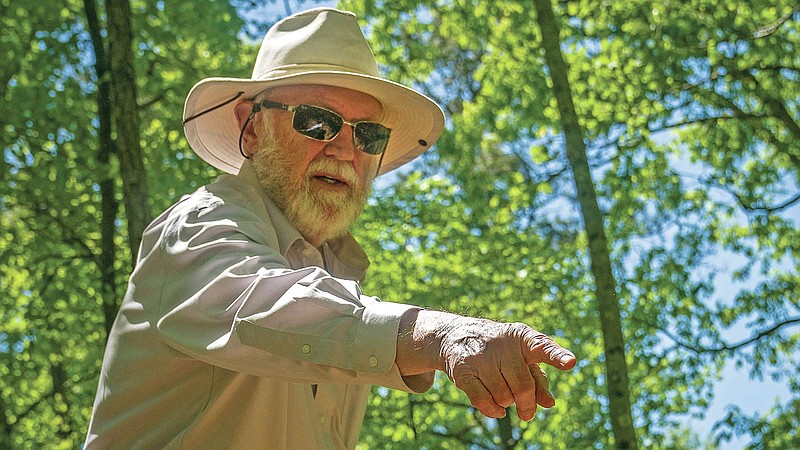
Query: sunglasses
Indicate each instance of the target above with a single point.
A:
(323, 124)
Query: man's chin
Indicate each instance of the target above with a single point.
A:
(332, 203)
(321, 218)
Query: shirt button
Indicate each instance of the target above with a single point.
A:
(306, 349)
(322, 420)
(373, 361)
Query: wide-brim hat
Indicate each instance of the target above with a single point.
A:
(322, 46)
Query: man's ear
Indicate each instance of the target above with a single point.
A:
(243, 110)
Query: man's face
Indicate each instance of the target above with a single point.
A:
(322, 187)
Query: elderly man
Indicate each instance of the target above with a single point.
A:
(244, 325)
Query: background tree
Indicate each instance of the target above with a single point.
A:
(109, 206)
(618, 389)
(125, 118)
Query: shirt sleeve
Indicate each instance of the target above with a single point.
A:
(230, 299)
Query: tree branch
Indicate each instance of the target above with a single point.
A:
(36, 403)
(412, 402)
(771, 28)
(731, 347)
(751, 207)
(147, 104)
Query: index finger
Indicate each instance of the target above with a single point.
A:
(542, 349)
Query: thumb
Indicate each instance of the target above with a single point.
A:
(540, 348)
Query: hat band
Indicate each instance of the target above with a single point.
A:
(295, 69)
(213, 108)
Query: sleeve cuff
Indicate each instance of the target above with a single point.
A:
(382, 346)
(375, 342)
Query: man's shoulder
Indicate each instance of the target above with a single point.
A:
(227, 193)
(224, 201)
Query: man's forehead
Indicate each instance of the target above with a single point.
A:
(316, 90)
(332, 97)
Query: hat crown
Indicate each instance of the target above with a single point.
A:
(318, 39)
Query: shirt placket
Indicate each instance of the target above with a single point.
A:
(303, 254)
(326, 402)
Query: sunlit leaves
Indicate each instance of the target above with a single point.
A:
(51, 316)
(430, 247)
(690, 111)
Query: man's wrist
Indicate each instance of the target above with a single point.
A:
(425, 331)
(419, 340)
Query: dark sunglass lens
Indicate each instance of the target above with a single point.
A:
(371, 137)
(316, 123)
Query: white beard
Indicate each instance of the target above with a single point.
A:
(318, 214)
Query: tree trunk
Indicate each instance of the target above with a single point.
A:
(109, 206)
(610, 321)
(125, 113)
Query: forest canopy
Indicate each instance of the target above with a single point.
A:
(623, 176)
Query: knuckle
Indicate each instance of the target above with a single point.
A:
(539, 337)
(525, 391)
(464, 380)
(542, 382)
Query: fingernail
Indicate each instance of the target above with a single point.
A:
(526, 415)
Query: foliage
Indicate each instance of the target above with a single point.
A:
(52, 327)
(433, 249)
(691, 114)
(660, 90)
(51, 338)
(778, 429)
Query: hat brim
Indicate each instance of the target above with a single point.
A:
(415, 120)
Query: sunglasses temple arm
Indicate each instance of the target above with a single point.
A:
(380, 162)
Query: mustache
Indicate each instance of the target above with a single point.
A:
(340, 169)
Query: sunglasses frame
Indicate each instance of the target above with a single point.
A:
(268, 104)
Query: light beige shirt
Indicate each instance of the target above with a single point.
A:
(229, 319)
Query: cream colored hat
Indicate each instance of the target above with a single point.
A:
(319, 46)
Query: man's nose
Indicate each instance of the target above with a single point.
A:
(342, 146)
